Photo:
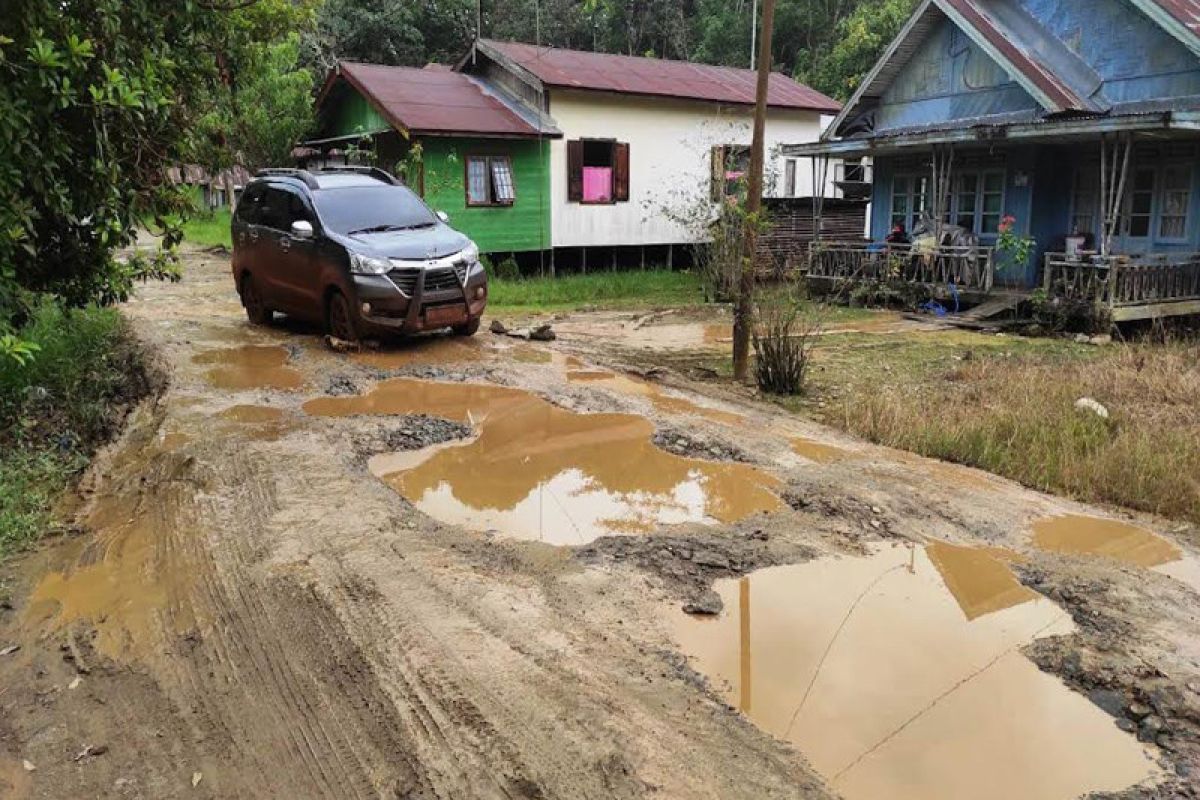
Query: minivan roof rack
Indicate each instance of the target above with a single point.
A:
(374, 172)
(304, 175)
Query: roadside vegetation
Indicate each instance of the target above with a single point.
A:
(1007, 405)
(210, 229)
(649, 289)
(57, 407)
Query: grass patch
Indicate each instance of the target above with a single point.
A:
(1007, 405)
(209, 229)
(648, 289)
(57, 409)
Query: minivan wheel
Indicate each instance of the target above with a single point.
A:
(256, 308)
(339, 321)
(468, 328)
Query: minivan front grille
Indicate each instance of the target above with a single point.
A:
(405, 280)
(460, 269)
(437, 280)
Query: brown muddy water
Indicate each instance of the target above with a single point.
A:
(539, 472)
(422, 351)
(666, 403)
(815, 451)
(900, 675)
(1079, 534)
(250, 367)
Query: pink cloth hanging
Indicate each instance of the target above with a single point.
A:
(597, 184)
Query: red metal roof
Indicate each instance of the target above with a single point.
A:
(575, 69)
(433, 101)
(1186, 11)
(1056, 91)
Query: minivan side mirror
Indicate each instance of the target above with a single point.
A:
(302, 229)
(443, 216)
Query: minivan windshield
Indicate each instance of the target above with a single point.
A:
(372, 209)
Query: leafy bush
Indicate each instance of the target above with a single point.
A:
(1064, 310)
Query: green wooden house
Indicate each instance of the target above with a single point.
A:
(468, 150)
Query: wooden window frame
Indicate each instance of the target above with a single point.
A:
(1160, 202)
(487, 159)
(913, 213)
(621, 178)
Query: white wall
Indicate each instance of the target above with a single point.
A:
(670, 150)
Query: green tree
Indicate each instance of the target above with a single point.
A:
(94, 102)
(860, 39)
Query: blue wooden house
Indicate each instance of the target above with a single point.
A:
(1077, 119)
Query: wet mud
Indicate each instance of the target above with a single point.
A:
(820, 453)
(538, 472)
(250, 367)
(660, 399)
(893, 684)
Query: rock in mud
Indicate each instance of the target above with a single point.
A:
(542, 333)
(341, 345)
(499, 328)
(687, 445)
(339, 385)
(708, 604)
(8, 651)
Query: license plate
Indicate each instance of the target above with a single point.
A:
(446, 315)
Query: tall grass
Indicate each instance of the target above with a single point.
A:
(1017, 418)
(210, 229)
(56, 409)
(601, 289)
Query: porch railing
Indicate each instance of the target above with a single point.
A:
(1123, 281)
(970, 268)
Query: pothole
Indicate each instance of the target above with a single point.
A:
(250, 367)
(900, 675)
(539, 472)
(422, 351)
(1077, 534)
(815, 451)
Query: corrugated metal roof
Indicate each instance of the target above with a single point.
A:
(1186, 12)
(431, 101)
(575, 69)
(1056, 91)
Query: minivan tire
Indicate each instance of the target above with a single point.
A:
(339, 319)
(257, 310)
(468, 328)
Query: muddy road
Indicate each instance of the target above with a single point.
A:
(458, 569)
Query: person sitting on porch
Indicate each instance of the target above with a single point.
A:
(898, 235)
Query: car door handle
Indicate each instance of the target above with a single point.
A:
(285, 243)
(253, 235)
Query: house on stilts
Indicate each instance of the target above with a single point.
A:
(1073, 123)
(575, 159)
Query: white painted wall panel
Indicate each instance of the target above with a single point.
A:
(670, 146)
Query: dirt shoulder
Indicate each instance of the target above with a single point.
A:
(252, 613)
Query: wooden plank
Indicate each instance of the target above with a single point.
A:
(1153, 310)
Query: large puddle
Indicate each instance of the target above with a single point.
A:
(250, 367)
(900, 676)
(537, 471)
(1078, 534)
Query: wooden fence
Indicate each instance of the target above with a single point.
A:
(969, 268)
(1135, 287)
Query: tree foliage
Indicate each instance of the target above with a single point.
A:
(829, 43)
(97, 99)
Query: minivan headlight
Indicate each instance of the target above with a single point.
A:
(369, 265)
(470, 253)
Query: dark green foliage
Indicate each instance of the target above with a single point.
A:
(829, 43)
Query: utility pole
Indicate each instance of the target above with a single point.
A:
(743, 317)
(753, 31)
